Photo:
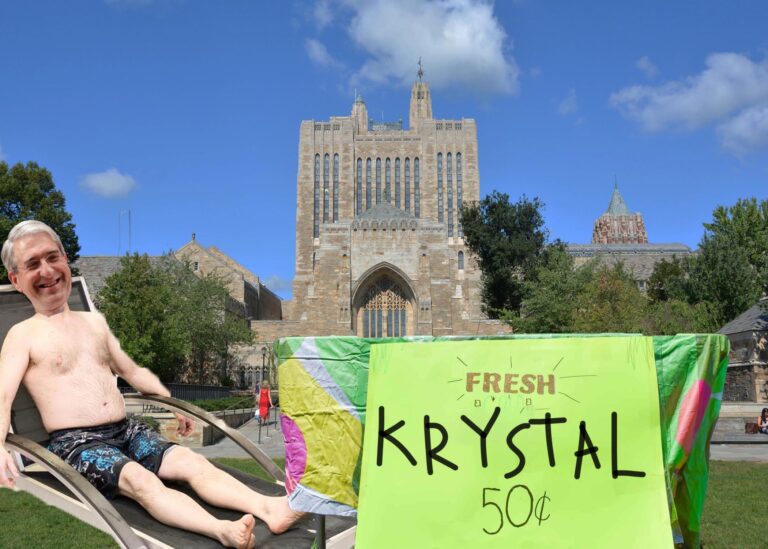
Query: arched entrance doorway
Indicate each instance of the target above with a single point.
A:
(384, 306)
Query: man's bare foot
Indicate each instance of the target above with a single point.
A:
(239, 533)
(280, 516)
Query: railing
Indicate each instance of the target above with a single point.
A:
(183, 391)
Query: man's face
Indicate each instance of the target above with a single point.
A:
(42, 273)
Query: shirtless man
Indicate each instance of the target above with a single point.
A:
(68, 361)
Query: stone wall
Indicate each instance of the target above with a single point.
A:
(740, 384)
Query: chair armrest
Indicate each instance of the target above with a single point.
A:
(79, 486)
(187, 409)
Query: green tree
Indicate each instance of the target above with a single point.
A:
(144, 312)
(674, 316)
(610, 302)
(722, 275)
(214, 322)
(172, 321)
(551, 293)
(508, 240)
(668, 281)
(745, 225)
(28, 192)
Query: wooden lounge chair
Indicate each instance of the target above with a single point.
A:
(46, 476)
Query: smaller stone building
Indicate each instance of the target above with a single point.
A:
(619, 236)
(258, 301)
(747, 377)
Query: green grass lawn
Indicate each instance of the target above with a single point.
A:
(731, 514)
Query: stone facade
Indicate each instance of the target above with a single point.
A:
(379, 250)
(258, 301)
(619, 236)
(747, 377)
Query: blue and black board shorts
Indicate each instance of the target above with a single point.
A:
(100, 453)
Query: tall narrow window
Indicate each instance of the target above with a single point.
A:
(368, 184)
(335, 188)
(384, 312)
(326, 195)
(416, 191)
(461, 260)
(378, 181)
(388, 181)
(359, 193)
(440, 187)
(449, 185)
(407, 184)
(397, 183)
(316, 210)
(459, 193)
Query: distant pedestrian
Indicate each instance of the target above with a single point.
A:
(265, 402)
(762, 421)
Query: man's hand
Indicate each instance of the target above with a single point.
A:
(8, 471)
(186, 425)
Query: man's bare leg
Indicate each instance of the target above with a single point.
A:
(222, 490)
(177, 509)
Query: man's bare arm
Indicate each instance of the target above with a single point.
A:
(142, 379)
(14, 359)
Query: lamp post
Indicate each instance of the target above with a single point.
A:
(263, 362)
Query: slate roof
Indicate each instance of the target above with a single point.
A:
(754, 319)
(595, 249)
(617, 205)
(97, 268)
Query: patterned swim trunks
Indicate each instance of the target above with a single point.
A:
(99, 453)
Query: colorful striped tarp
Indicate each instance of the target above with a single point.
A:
(323, 386)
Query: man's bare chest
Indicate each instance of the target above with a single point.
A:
(61, 351)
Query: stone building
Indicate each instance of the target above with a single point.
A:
(379, 249)
(256, 300)
(619, 236)
(747, 376)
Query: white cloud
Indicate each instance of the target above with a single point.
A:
(746, 131)
(461, 43)
(109, 184)
(569, 105)
(323, 13)
(278, 284)
(319, 54)
(729, 83)
(648, 68)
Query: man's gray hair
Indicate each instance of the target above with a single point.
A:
(26, 228)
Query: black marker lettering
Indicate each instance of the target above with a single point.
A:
(483, 433)
(590, 450)
(516, 450)
(432, 453)
(387, 434)
(547, 422)
(615, 451)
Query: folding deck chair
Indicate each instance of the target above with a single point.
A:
(46, 476)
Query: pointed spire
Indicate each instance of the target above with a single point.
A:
(617, 205)
(420, 72)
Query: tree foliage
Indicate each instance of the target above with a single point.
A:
(551, 292)
(508, 240)
(28, 192)
(172, 321)
(745, 226)
(730, 271)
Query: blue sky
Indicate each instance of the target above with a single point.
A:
(187, 112)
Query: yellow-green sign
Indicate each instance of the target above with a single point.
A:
(521, 443)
